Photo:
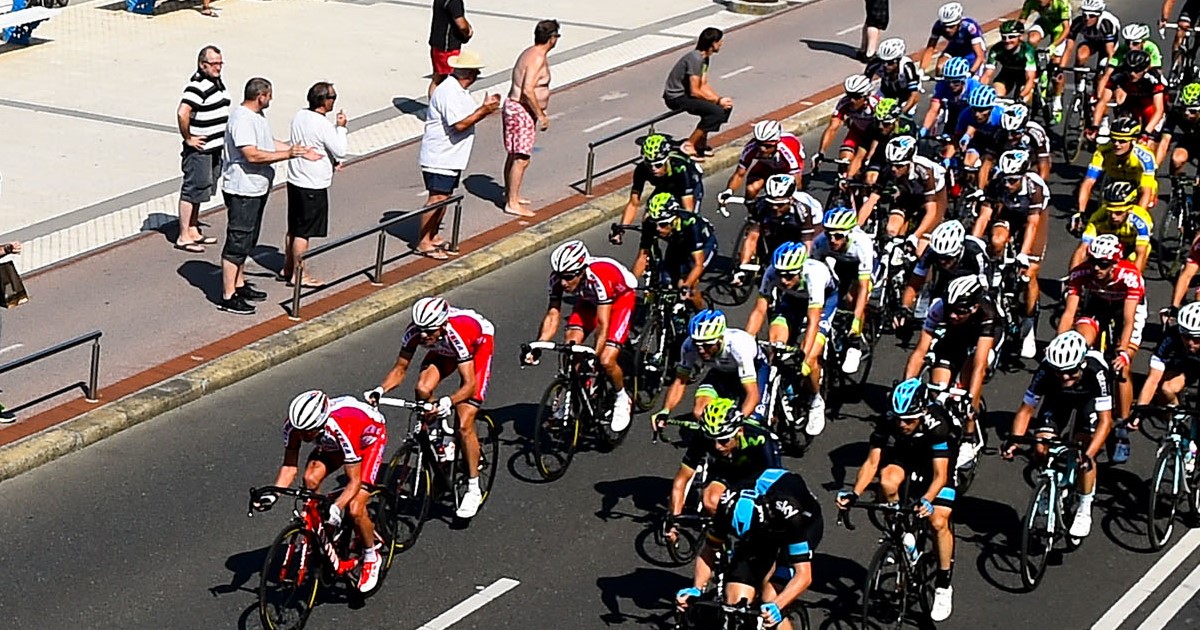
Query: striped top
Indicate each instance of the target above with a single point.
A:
(210, 110)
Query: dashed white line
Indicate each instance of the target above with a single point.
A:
(1145, 587)
(849, 29)
(1175, 601)
(612, 96)
(602, 124)
(469, 605)
(737, 72)
(12, 347)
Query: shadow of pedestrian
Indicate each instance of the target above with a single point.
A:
(837, 48)
(410, 106)
(486, 188)
(649, 495)
(269, 258)
(165, 224)
(405, 230)
(203, 275)
(244, 567)
(648, 590)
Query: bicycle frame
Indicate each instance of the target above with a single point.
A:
(579, 366)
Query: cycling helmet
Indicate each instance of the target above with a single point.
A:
(950, 13)
(947, 240)
(1119, 193)
(768, 131)
(430, 313)
(1092, 6)
(1012, 27)
(721, 418)
(568, 258)
(789, 257)
(857, 85)
(900, 149)
(982, 97)
(1188, 319)
(1125, 128)
(1067, 351)
(707, 326)
(1014, 117)
(662, 206)
(1137, 61)
(655, 148)
(780, 187)
(887, 110)
(309, 411)
(1135, 32)
(1105, 247)
(891, 49)
(1189, 96)
(909, 398)
(1014, 162)
(956, 69)
(964, 292)
(840, 219)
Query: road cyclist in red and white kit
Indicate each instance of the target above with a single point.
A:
(456, 340)
(605, 295)
(856, 112)
(772, 151)
(350, 434)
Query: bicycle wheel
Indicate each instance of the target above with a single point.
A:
(380, 506)
(686, 545)
(489, 458)
(885, 592)
(1168, 239)
(411, 485)
(649, 363)
(1163, 505)
(556, 430)
(797, 613)
(739, 294)
(288, 584)
(1072, 129)
(1037, 536)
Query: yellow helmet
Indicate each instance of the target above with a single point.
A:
(721, 418)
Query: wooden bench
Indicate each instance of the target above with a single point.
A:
(17, 20)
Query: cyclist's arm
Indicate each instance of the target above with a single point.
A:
(866, 472)
(603, 319)
(980, 55)
(1103, 427)
(800, 582)
(1078, 255)
(983, 221)
(693, 277)
(466, 373)
(1070, 306)
(758, 315)
(1033, 225)
(1167, 7)
(982, 349)
(1130, 309)
(751, 396)
(913, 99)
(917, 359)
(353, 485)
(911, 288)
(1164, 145)
(551, 321)
(1142, 249)
(631, 207)
(1106, 95)
(1089, 181)
(831, 129)
(1030, 77)
(737, 178)
(688, 202)
(864, 212)
(1150, 385)
(1184, 282)
(675, 390)
(932, 215)
(290, 466)
(639, 263)
(396, 375)
(679, 486)
(989, 72)
(931, 115)
(1021, 419)
(1160, 110)
(862, 295)
(705, 563)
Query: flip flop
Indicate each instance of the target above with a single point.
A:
(207, 240)
(518, 212)
(308, 284)
(433, 254)
(209, 13)
(191, 248)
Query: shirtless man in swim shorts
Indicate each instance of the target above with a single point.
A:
(526, 103)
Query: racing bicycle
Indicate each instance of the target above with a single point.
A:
(902, 570)
(1078, 115)
(1052, 504)
(1172, 482)
(1173, 234)
(1183, 60)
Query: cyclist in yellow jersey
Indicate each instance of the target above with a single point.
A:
(1122, 158)
(1118, 215)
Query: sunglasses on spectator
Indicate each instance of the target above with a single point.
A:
(331, 97)
(1010, 37)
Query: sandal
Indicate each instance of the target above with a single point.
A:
(209, 13)
(433, 254)
(191, 248)
(207, 240)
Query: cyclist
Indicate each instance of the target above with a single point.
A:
(738, 451)
(916, 440)
(1182, 128)
(1098, 29)
(951, 254)
(777, 523)
(887, 125)
(690, 241)
(349, 434)
(666, 170)
(978, 132)
(1183, 283)
(456, 340)
(1145, 95)
(1124, 159)
(1017, 131)
(1011, 66)
(899, 77)
(1104, 290)
(1054, 16)
(772, 151)
(1189, 12)
(850, 253)
(1071, 381)
(604, 302)
(798, 293)
(855, 110)
(1136, 37)
(1015, 208)
(917, 186)
(1174, 366)
(782, 213)
(1118, 215)
(950, 96)
(964, 38)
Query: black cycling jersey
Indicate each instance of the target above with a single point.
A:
(1015, 208)
(789, 510)
(1033, 139)
(798, 222)
(984, 322)
(974, 260)
(683, 177)
(692, 233)
(1093, 385)
(935, 438)
(1172, 355)
(1105, 30)
(900, 86)
(1181, 129)
(756, 451)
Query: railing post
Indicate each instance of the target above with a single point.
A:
(591, 166)
(377, 277)
(456, 227)
(94, 375)
(299, 273)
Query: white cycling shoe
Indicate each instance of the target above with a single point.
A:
(622, 412)
(966, 453)
(1028, 340)
(469, 506)
(370, 574)
(943, 604)
(816, 416)
(1081, 525)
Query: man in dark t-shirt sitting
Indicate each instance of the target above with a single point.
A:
(687, 89)
(448, 31)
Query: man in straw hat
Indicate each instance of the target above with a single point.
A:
(446, 144)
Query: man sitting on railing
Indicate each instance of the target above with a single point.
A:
(687, 89)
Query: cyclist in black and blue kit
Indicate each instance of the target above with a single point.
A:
(666, 170)
(777, 525)
(690, 240)
(963, 35)
(1175, 364)
(950, 96)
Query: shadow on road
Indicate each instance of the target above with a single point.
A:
(1122, 497)
(647, 590)
(649, 495)
(204, 276)
(486, 188)
(243, 568)
(995, 528)
(837, 48)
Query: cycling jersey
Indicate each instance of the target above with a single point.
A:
(798, 221)
(788, 157)
(691, 233)
(1051, 17)
(1133, 232)
(1172, 356)
(924, 181)
(739, 355)
(789, 511)
(1156, 60)
(972, 262)
(1014, 208)
(1021, 59)
(1137, 166)
(954, 103)
(605, 281)
(1139, 93)
(466, 336)
(1182, 129)
(1125, 283)
(899, 85)
(935, 438)
(876, 137)
(355, 431)
(756, 451)
(683, 178)
(1104, 31)
(1090, 394)
(957, 341)
(983, 139)
(816, 286)
(962, 42)
(856, 119)
(854, 263)
(1033, 139)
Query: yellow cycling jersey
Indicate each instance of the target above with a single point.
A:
(1133, 232)
(1137, 166)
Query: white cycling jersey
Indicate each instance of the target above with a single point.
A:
(739, 353)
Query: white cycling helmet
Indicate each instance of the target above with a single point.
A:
(1013, 162)
(900, 149)
(964, 291)
(780, 187)
(767, 131)
(857, 85)
(947, 240)
(568, 258)
(1135, 32)
(1014, 117)
(891, 49)
(1105, 247)
(950, 13)
(1067, 351)
(309, 411)
(1092, 6)
(430, 313)
(1188, 319)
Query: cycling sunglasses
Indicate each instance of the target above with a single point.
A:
(956, 82)
(1091, 14)
(662, 223)
(1013, 179)
(1011, 37)
(658, 163)
(1193, 110)
(725, 440)
(962, 311)
(708, 346)
(789, 275)
(837, 236)
(569, 276)
(1103, 264)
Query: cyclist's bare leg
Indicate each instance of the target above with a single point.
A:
(315, 472)
(468, 436)
(944, 535)
(940, 376)
(612, 367)
(1032, 290)
(429, 379)
(750, 245)
(1087, 481)
(362, 520)
(754, 186)
(895, 224)
(711, 497)
(1088, 331)
(1179, 160)
(1170, 387)
(890, 479)
(735, 592)
(770, 593)
(1000, 235)
(1179, 33)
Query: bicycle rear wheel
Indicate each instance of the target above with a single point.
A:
(1163, 505)
(411, 484)
(556, 430)
(489, 457)
(1072, 129)
(649, 363)
(739, 294)
(885, 591)
(1037, 536)
(288, 584)
(1169, 245)
(686, 545)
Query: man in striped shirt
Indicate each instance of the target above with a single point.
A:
(203, 112)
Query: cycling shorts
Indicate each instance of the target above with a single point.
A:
(584, 318)
(753, 562)
(1096, 314)
(795, 318)
(483, 368)
(856, 138)
(1056, 418)
(1012, 80)
(372, 459)
(919, 474)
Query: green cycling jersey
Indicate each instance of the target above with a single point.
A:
(1022, 58)
(1054, 16)
(1156, 60)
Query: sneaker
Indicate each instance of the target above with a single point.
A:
(247, 292)
(850, 363)
(236, 305)
(1028, 340)
(943, 604)
(1081, 525)
(621, 415)
(816, 416)
(469, 506)
(967, 452)
(370, 574)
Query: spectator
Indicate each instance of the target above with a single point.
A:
(447, 141)
(527, 101)
(207, 10)
(308, 181)
(688, 89)
(250, 150)
(201, 116)
(874, 25)
(448, 32)
(9, 249)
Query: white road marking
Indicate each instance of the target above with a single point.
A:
(602, 124)
(469, 605)
(12, 347)
(1171, 605)
(1140, 592)
(612, 96)
(849, 29)
(806, 102)
(737, 72)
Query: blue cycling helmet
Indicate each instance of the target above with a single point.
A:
(982, 97)
(908, 399)
(789, 257)
(707, 326)
(956, 69)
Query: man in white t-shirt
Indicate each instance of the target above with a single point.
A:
(447, 141)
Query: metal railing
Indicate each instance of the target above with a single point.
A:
(90, 393)
(381, 230)
(591, 158)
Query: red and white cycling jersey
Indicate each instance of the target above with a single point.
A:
(856, 120)
(1125, 283)
(464, 333)
(603, 282)
(354, 429)
(788, 157)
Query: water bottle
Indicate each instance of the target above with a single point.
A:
(1189, 457)
(853, 357)
(910, 547)
(1121, 452)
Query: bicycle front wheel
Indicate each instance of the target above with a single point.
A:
(1037, 534)
(556, 430)
(288, 584)
(411, 484)
(1170, 249)
(1072, 129)
(885, 592)
(1164, 497)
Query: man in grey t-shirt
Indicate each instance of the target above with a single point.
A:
(687, 89)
